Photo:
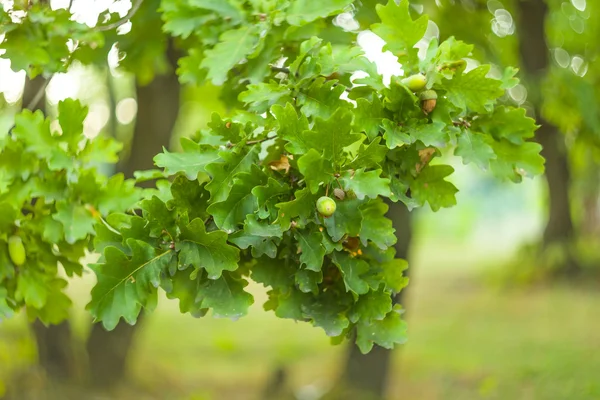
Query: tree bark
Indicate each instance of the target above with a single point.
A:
(158, 108)
(535, 59)
(365, 376)
(559, 227)
(56, 354)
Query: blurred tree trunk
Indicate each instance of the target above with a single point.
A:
(56, 354)
(365, 376)
(158, 108)
(535, 60)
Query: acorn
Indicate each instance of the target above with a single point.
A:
(428, 100)
(326, 206)
(415, 82)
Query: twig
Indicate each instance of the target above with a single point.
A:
(462, 122)
(39, 95)
(280, 69)
(257, 141)
(134, 8)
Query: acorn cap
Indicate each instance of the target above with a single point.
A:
(428, 95)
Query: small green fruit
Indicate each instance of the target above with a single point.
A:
(415, 82)
(16, 250)
(326, 206)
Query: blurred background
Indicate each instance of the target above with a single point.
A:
(504, 288)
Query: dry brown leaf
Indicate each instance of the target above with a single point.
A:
(425, 155)
(283, 164)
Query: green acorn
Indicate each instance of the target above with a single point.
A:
(16, 250)
(415, 82)
(326, 206)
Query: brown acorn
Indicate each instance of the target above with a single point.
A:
(428, 100)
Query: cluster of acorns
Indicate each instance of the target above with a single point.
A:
(416, 83)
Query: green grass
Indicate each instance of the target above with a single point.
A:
(467, 341)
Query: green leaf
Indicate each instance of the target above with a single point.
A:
(303, 206)
(366, 184)
(186, 290)
(322, 99)
(189, 198)
(308, 281)
(71, 115)
(317, 170)
(260, 245)
(430, 186)
(397, 28)
(328, 314)
(352, 269)
(5, 310)
(507, 123)
(291, 128)
(368, 117)
(331, 136)
(472, 147)
(57, 305)
(375, 226)
(118, 195)
(473, 90)
(346, 220)
(274, 273)
(226, 297)
(192, 161)
(267, 196)
(392, 274)
(395, 135)
(369, 155)
(32, 288)
(163, 218)
(261, 96)
(515, 161)
(209, 251)
(312, 250)
(399, 99)
(224, 171)
(77, 221)
(233, 46)
(431, 134)
(34, 130)
(374, 305)
(7, 216)
(126, 284)
(231, 213)
(259, 235)
(226, 9)
(385, 333)
(302, 12)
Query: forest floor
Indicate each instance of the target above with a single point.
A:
(467, 340)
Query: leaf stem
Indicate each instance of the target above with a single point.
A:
(280, 69)
(134, 8)
(110, 228)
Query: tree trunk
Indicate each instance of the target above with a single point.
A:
(56, 355)
(158, 108)
(534, 56)
(559, 227)
(365, 375)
